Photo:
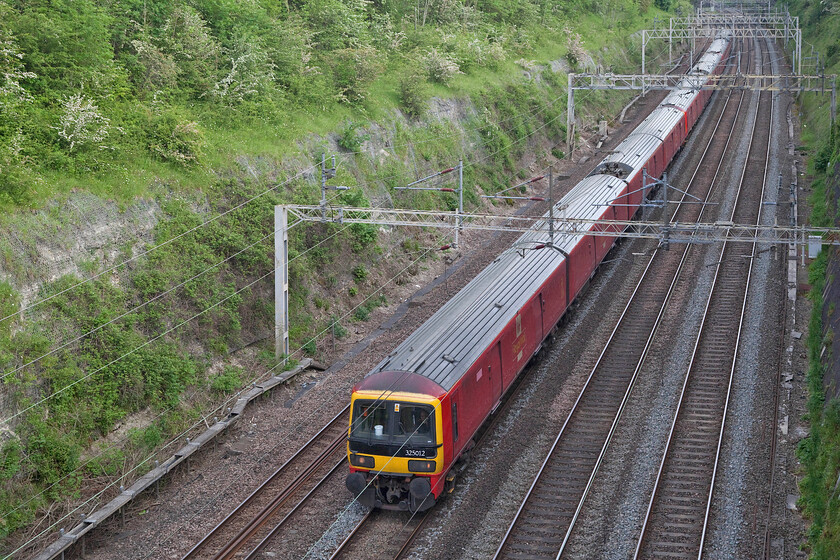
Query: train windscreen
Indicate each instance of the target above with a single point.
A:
(397, 425)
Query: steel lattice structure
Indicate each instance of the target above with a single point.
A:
(673, 232)
(664, 232)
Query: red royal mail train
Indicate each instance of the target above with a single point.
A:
(414, 415)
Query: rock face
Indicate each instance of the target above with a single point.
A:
(79, 235)
(831, 314)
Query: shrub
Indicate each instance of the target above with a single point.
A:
(81, 123)
(441, 67)
(228, 381)
(362, 313)
(310, 347)
(174, 139)
(338, 330)
(360, 273)
(157, 70)
(350, 139)
(575, 54)
(189, 41)
(251, 73)
(353, 71)
(413, 93)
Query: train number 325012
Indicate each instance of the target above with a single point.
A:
(415, 452)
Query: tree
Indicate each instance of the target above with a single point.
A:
(188, 40)
(81, 122)
(12, 73)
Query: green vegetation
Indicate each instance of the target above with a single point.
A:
(199, 106)
(820, 451)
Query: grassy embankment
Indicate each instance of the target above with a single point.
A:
(163, 102)
(820, 451)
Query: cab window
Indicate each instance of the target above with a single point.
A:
(370, 418)
(393, 422)
(415, 424)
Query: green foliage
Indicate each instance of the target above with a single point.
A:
(360, 273)
(187, 38)
(228, 381)
(66, 44)
(10, 458)
(819, 453)
(362, 313)
(413, 93)
(310, 347)
(51, 455)
(349, 137)
(9, 303)
(337, 329)
(173, 138)
(353, 71)
(339, 24)
(184, 90)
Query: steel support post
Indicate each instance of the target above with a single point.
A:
(833, 100)
(459, 222)
(281, 282)
(570, 117)
(644, 48)
(323, 202)
(798, 52)
(670, 40)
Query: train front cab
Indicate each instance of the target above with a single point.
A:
(395, 449)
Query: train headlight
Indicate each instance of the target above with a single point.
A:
(365, 461)
(422, 466)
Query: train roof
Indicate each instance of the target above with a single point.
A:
(451, 340)
(447, 344)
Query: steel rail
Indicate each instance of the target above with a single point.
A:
(339, 418)
(682, 399)
(655, 329)
(483, 432)
(638, 290)
(765, 549)
(743, 308)
(264, 541)
(349, 538)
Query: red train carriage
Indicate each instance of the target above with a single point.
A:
(413, 417)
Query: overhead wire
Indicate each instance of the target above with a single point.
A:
(155, 298)
(487, 156)
(158, 246)
(140, 347)
(78, 468)
(87, 376)
(306, 421)
(275, 187)
(176, 438)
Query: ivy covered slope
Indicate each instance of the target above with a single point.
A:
(820, 451)
(176, 116)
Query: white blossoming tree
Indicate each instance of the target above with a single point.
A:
(81, 122)
(11, 74)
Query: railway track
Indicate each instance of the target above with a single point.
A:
(247, 527)
(401, 529)
(546, 518)
(678, 515)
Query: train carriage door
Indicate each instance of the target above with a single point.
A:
(457, 443)
(494, 369)
(543, 329)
